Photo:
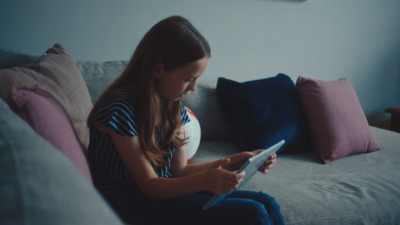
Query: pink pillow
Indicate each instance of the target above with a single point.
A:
(336, 120)
(50, 120)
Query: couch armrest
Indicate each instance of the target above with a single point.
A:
(395, 120)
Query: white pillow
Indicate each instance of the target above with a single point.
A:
(193, 133)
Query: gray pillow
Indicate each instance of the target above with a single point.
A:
(39, 185)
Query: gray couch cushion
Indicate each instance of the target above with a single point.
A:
(99, 75)
(358, 189)
(204, 104)
(39, 185)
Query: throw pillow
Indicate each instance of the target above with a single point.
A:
(263, 112)
(50, 120)
(192, 133)
(56, 73)
(337, 122)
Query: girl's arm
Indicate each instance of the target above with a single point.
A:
(180, 167)
(214, 178)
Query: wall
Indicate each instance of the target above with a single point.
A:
(250, 39)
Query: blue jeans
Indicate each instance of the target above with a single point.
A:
(239, 207)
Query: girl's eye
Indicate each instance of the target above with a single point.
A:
(190, 80)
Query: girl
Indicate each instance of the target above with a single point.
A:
(137, 150)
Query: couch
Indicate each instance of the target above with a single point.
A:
(44, 177)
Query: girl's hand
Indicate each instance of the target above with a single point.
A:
(237, 160)
(220, 180)
(268, 164)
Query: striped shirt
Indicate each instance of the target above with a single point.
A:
(107, 167)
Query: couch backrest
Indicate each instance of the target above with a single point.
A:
(99, 75)
(10, 58)
(204, 103)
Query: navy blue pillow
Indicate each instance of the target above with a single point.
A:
(263, 112)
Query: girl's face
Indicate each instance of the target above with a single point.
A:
(177, 83)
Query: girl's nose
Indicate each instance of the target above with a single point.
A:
(192, 86)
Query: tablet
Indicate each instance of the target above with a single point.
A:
(250, 167)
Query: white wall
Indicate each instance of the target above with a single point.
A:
(250, 39)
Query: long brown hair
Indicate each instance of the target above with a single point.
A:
(172, 42)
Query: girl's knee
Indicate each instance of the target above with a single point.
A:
(254, 212)
(253, 207)
(269, 202)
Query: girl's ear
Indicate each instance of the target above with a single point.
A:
(158, 70)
